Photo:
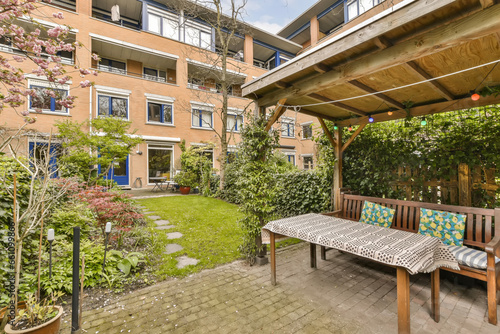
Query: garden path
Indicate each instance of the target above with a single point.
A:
(346, 294)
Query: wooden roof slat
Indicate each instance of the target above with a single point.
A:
(475, 26)
(316, 114)
(327, 132)
(353, 136)
(379, 96)
(338, 104)
(487, 3)
(383, 43)
(321, 68)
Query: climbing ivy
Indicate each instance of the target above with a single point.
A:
(467, 136)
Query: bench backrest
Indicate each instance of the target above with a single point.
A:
(480, 225)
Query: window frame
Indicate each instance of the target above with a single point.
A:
(110, 105)
(162, 112)
(290, 125)
(309, 125)
(202, 108)
(358, 13)
(166, 147)
(236, 115)
(110, 68)
(304, 156)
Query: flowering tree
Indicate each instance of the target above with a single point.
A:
(40, 45)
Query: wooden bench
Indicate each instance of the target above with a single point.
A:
(482, 231)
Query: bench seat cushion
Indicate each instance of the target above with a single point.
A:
(447, 226)
(376, 214)
(470, 257)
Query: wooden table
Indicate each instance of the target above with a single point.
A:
(407, 252)
(159, 181)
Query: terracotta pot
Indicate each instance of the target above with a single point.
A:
(50, 327)
(185, 190)
(20, 305)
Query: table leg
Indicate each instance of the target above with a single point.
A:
(403, 289)
(435, 295)
(313, 255)
(273, 257)
(323, 253)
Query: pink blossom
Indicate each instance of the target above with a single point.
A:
(58, 15)
(85, 84)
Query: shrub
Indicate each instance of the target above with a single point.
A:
(65, 218)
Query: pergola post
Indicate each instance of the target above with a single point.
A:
(337, 168)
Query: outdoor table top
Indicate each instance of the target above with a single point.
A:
(415, 252)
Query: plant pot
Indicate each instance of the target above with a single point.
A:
(20, 305)
(50, 327)
(185, 190)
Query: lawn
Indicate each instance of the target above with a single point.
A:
(210, 233)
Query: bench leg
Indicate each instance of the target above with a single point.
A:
(492, 290)
(403, 289)
(313, 255)
(323, 253)
(435, 295)
(272, 250)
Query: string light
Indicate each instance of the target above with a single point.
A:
(370, 119)
(350, 128)
(389, 112)
(335, 127)
(423, 122)
(475, 97)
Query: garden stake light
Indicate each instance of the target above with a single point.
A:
(108, 231)
(50, 238)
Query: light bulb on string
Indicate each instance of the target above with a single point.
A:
(389, 112)
(350, 128)
(335, 127)
(370, 119)
(475, 97)
(423, 122)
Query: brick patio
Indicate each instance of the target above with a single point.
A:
(346, 294)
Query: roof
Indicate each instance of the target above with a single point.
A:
(414, 58)
(305, 17)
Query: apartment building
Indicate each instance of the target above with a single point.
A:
(153, 72)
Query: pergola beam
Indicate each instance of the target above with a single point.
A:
(353, 136)
(338, 104)
(316, 114)
(487, 3)
(475, 26)
(381, 97)
(327, 132)
(321, 68)
(429, 109)
(280, 110)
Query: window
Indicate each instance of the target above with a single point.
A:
(308, 162)
(171, 28)
(358, 7)
(231, 156)
(154, 23)
(39, 153)
(112, 106)
(155, 75)
(46, 99)
(234, 122)
(160, 160)
(307, 131)
(202, 118)
(291, 158)
(160, 113)
(112, 66)
(287, 129)
(198, 35)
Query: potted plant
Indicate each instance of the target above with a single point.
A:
(38, 317)
(186, 180)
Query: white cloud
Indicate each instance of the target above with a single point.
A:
(267, 26)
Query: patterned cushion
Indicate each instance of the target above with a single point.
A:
(470, 257)
(376, 214)
(447, 226)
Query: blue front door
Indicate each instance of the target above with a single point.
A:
(119, 173)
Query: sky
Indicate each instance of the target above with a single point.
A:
(272, 15)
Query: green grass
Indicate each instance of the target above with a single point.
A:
(210, 233)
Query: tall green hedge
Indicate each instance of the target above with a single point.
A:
(467, 136)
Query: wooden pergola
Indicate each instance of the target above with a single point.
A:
(432, 53)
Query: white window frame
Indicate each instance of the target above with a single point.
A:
(289, 122)
(302, 128)
(235, 112)
(290, 153)
(307, 156)
(112, 92)
(159, 99)
(49, 85)
(203, 107)
(160, 146)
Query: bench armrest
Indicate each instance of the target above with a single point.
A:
(333, 213)
(493, 247)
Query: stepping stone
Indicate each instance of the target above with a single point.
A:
(154, 217)
(185, 261)
(147, 212)
(172, 248)
(162, 222)
(174, 235)
(164, 227)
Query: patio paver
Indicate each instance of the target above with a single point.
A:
(162, 222)
(174, 235)
(346, 294)
(173, 248)
(164, 227)
(184, 261)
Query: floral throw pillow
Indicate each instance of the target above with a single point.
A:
(376, 214)
(447, 226)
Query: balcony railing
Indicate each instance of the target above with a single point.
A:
(121, 71)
